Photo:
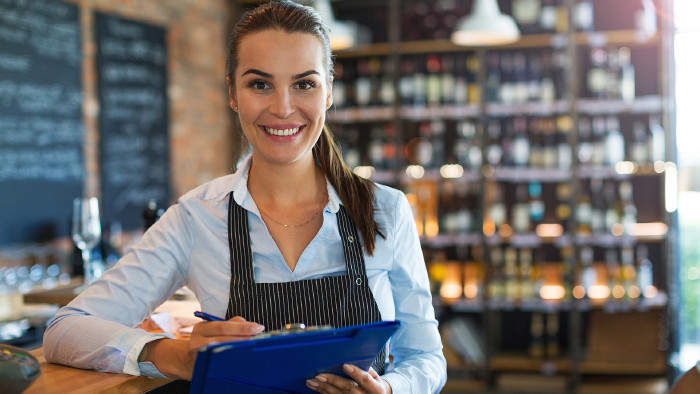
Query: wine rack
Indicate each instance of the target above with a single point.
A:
(536, 171)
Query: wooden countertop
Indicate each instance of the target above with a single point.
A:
(57, 378)
(60, 295)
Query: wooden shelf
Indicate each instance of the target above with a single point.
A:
(524, 363)
(599, 367)
(602, 38)
(641, 105)
(621, 384)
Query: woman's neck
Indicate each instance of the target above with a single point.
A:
(287, 185)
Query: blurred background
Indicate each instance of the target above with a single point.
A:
(548, 148)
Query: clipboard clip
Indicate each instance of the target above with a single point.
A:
(292, 328)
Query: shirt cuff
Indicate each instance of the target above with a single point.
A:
(398, 383)
(148, 369)
(131, 364)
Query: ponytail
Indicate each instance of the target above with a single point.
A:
(356, 193)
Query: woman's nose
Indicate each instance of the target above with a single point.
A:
(281, 105)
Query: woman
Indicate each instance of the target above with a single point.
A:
(255, 245)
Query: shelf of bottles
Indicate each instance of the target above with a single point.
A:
(531, 198)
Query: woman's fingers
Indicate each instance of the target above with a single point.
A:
(231, 327)
(235, 329)
(360, 382)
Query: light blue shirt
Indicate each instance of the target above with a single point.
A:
(189, 247)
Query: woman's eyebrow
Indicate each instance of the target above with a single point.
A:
(305, 74)
(258, 72)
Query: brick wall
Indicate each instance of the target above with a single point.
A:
(201, 133)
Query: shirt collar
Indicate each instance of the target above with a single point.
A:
(242, 196)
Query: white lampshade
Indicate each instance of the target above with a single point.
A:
(341, 35)
(485, 26)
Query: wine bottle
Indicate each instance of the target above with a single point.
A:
(433, 90)
(536, 335)
(419, 84)
(548, 16)
(387, 95)
(627, 75)
(599, 157)
(520, 216)
(598, 209)
(497, 283)
(521, 92)
(493, 79)
(614, 142)
(507, 87)
(583, 16)
(512, 285)
(629, 209)
(584, 211)
(597, 77)
(658, 139)
(645, 270)
(536, 204)
(406, 82)
(585, 145)
(612, 206)
(461, 93)
(590, 274)
(494, 152)
(613, 76)
(552, 335)
(640, 147)
(521, 143)
(363, 85)
(473, 87)
(374, 67)
(448, 81)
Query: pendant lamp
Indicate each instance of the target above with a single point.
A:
(341, 35)
(485, 26)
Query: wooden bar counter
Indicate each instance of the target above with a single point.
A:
(57, 378)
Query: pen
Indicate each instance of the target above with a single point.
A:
(208, 317)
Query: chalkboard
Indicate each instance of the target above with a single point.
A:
(41, 123)
(133, 120)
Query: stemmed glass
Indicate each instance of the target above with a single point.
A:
(86, 233)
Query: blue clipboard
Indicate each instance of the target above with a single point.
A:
(282, 364)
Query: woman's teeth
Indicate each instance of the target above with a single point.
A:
(282, 132)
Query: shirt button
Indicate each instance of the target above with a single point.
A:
(358, 281)
(351, 239)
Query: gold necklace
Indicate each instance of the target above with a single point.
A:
(293, 225)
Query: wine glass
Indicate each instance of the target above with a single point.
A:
(86, 233)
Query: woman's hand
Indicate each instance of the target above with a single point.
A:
(175, 358)
(362, 382)
(235, 329)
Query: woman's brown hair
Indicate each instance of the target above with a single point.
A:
(356, 193)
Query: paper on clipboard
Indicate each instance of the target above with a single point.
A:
(282, 364)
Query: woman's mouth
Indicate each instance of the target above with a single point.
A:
(282, 132)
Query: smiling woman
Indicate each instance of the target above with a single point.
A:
(292, 237)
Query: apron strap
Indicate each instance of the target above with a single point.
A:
(239, 244)
(352, 248)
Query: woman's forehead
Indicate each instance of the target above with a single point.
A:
(287, 53)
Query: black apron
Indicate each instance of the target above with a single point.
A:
(333, 300)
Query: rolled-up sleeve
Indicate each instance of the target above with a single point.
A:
(419, 364)
(96, 330)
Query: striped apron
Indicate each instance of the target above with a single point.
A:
(333, 300)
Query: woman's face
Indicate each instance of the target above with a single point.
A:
(281, 93)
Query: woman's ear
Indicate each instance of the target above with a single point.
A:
(329, 97)
(232, 102)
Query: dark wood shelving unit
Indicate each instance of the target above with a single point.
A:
(578, 368)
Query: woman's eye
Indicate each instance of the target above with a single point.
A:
(259, 85)
(305, 85)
